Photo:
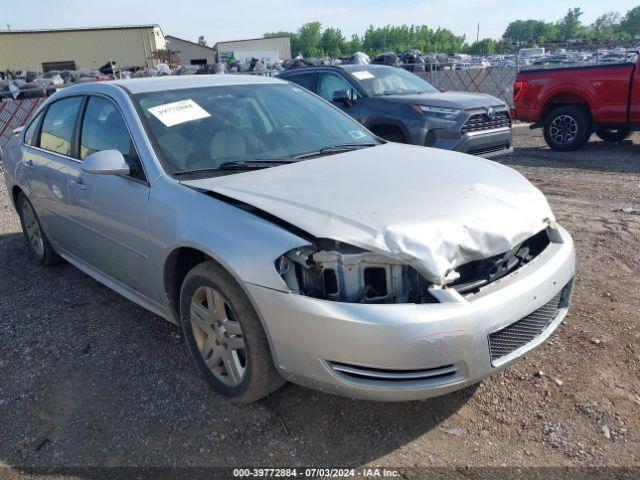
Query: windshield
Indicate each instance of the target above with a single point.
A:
(207, 128)
(390, 81)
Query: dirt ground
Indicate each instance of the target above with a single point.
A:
(88, 378)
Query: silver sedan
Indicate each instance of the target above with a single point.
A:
(288, 241)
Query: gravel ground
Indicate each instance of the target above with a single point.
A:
(88, 378)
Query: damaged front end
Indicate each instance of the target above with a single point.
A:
(332, 270)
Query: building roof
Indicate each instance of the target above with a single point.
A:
(76, 29)
(249, 40)
(188, 41)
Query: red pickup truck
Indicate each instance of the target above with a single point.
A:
(572, 103)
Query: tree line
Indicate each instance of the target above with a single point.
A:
(311, 40)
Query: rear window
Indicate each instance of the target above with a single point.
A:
(304, 80)
(58, 125)
(30, 132)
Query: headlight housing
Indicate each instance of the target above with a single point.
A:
(345, 273)
(438, 112)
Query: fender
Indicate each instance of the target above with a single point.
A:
(564, 94)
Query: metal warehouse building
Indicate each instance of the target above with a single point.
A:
(191, 53)
(75, 48)
(269, 50)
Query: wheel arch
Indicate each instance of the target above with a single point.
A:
(15, 193)
(571, 97)
(378, 126)
(178, 263)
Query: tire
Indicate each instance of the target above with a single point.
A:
(614, 135)
(393, 137)
(567, 128)
(228, 343)
(39, 246)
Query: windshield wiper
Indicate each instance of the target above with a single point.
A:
(342, 147)
(238, 165)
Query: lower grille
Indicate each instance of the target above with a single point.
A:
(518, 334)
(486, 150)
(355, 372)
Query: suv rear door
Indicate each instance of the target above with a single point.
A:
(304, 79)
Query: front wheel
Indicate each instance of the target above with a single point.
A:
(224, 335)
(614, 135)
(567, 128)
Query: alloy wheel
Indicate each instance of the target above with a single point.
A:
(564, 129)
(219, 336)
(32, 228)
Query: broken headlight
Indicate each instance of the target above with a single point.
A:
(344, 273)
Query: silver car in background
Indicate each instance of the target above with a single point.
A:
(288, 241)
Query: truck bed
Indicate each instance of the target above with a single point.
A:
(576, 68)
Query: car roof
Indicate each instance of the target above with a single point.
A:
(173, 82)
(154, 84)
(349, 67)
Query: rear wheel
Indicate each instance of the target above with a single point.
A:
(613, 135)
(567, 128)
(39, 246)
(224, 335)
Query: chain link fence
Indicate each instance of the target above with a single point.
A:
(496, 81)
(14, 114)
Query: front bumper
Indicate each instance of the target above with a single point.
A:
(485, 143)
(349, 349)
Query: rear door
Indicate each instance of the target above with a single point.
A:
(110, 211)
(634, 104)
(305, 80)
(48, 158)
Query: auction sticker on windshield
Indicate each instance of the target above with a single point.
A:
(357, 134)
(174, 113)
(363, 75)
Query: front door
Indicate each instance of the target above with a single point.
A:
(110, 211)
(330, 83)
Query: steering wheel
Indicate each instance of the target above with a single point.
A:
(287, 128)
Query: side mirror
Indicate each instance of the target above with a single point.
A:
(106, 162)
(342, 96)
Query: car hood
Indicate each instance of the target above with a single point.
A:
(461, 100)
(433, 209)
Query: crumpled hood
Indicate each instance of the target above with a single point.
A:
(461, 100)
(433, 209)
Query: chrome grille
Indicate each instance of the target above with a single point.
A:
(519, 333)
(481, 121)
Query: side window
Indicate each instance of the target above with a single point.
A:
(329, 83)
(58, 125)
(304, 80)
(30, 132)
(103, 128)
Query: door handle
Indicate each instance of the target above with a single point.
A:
(78, 183)
(30, 165)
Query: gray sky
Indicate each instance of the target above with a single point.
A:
(230, 20)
